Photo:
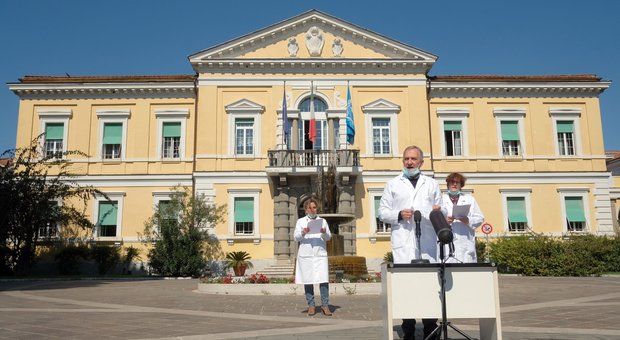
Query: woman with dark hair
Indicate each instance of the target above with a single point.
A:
(463, 226)
(312, 233)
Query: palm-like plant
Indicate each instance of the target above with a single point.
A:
(238, 261)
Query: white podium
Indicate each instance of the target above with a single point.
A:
(413, 291)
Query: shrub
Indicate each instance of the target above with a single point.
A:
(68, 259)
(106, 257)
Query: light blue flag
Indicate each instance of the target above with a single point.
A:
(350, 124)
(286, 124)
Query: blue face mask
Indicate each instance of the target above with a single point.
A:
(312, 216)
(454, 193)
(411, 173)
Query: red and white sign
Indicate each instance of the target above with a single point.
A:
(486, 228)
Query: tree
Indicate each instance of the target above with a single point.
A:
(177, 232)
(36, 191)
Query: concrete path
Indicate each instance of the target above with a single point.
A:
(532, 308)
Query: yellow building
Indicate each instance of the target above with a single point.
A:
(531, 146)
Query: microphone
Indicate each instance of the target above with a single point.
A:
(417, 217)
(441, 226)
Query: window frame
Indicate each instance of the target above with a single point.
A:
(567, 114)
(171, 115)
(454, 114)
(54, 116)
(510, 114)
(112, 116)
(114, 196)
(584, 194)
(382, 108)
(373, 193)
(253, 193)
(524, 193)
(244, 108)
(56, 235)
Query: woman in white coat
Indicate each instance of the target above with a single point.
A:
(463, 227)
(312, 233)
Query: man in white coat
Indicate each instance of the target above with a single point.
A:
(404, 194)
(463, 227)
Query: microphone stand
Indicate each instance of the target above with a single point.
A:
(442, 329)
(418, 234)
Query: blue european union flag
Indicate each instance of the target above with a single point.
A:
(350, 123)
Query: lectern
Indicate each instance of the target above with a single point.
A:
(413, 291)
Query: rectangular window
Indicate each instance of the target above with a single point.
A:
(54, 134)
(452, 134)
(112, 140)
(381, 227)
(171, 140)
(50, 230)
(107, 223)
(510, 138)
(566, 145)
(321, 135)
(575, 216)
(244, 141)
(517, 215)
(381, 136)
(244, 215)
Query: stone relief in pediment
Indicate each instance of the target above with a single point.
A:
(337, 48)
(292, 47)
(315, 41)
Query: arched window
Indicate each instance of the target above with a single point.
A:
(321, 125)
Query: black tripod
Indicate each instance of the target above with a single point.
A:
(442, 328)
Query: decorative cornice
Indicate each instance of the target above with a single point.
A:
(103, 86)
(580, 85)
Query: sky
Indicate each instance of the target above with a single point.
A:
(154, 37)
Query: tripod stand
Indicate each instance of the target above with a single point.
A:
(442, 328)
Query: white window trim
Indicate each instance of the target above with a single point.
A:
(112, 116)
(374, 235)
(171, 115)
(114, 196)
(382, 109)
(449, 113)
(63, 116)
(518, 114)
(575, 192)
(572, 114)
(517, 192)
(244, 109)
(233, 193)
(159, 196)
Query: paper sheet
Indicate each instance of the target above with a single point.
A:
(315, 226)
(459, 211)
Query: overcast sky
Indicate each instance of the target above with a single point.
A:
(145, 37)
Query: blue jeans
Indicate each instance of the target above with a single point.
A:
(323, 288)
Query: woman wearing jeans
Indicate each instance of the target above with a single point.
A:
(312, 233)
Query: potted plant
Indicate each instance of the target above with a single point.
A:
(239, 261)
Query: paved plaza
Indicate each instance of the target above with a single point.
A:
(531, 308)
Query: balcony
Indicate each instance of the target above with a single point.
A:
(306, 161)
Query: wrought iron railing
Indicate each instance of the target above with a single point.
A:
(305, 158)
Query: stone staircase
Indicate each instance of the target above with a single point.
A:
(279, 270)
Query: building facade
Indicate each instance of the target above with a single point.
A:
(531, 146)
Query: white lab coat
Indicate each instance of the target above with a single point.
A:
(312, 266)
(464, 235)
(399, 194)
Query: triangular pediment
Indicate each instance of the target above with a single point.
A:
(381, 105)
(244, 105)
(314, 36)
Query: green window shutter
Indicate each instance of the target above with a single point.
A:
(112, 133)
(574, 209)
(516, 209)
(107, 213)
(565, 126)
(54, 131)
(172, 129)
(244, 209)
(452, 125)
(510, 130)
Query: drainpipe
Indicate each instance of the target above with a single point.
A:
(430, 130)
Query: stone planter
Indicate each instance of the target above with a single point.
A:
(287, 288)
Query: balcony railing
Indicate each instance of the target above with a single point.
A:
(306, 158)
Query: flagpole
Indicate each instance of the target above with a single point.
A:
(346, 142)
